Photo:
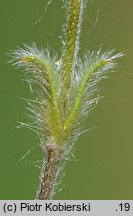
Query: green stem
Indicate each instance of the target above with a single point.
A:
(71, 47)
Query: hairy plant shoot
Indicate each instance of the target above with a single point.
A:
(64, 90)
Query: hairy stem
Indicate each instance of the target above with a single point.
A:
(71, 46)
(50, 172)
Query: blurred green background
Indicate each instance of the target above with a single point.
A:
(104, 165)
